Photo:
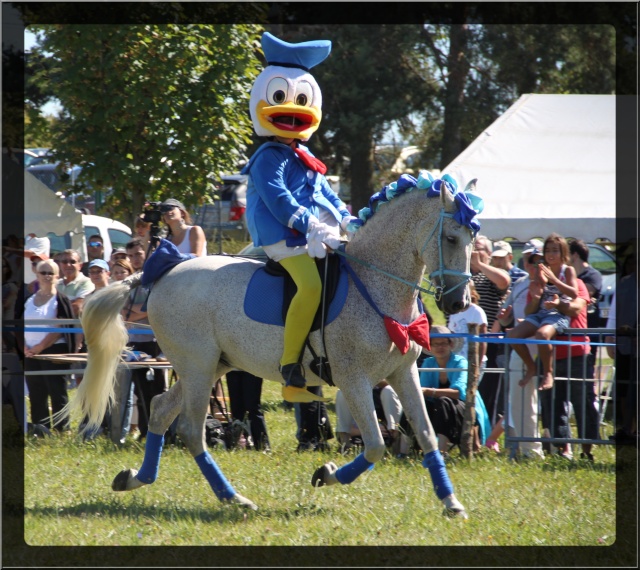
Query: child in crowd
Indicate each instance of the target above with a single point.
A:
(555, 282)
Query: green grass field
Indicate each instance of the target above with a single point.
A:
(69, 501)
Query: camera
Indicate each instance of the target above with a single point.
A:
(152, 213)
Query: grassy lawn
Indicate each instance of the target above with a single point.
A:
(69, 502)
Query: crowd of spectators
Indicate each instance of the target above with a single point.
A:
(501, 296)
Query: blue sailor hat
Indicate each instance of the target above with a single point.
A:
(303, 55)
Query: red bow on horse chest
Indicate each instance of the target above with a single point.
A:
(311, 162)
(401, 335)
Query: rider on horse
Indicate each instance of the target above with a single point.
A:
(292, 211)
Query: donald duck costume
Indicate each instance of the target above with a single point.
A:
(292, 212)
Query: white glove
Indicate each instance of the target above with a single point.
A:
(319, 235)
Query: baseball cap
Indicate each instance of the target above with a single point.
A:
(118, 250)
(501, 248)
(170, 203)
(99, 263)
(533, 245)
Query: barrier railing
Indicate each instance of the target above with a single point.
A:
(600, 389)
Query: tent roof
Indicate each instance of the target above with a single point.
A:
(548, 164)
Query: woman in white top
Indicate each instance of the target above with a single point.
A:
(185, 236)
(47, 303)
(474, 313)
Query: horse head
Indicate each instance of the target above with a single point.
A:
(445, 247)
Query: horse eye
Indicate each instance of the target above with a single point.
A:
(452, 240)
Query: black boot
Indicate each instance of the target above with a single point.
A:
(292, 374)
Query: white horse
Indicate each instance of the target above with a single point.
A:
(196, 313)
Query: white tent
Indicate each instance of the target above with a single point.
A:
(548, 164)
(48, 215)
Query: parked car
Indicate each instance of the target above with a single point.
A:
(114, 233)
(227, 215)
(65, 182)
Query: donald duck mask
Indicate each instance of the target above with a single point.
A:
(285, 99)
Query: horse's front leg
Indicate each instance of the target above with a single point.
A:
(164, 409)
(407, 386)
(359, 397)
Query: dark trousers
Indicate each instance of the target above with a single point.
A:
(145, 388)
(43, 388)
(313, 421)
(245, 391)
(555, 403)
(446, 415)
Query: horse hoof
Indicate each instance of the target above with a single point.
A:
(121, 482)
(325, 475)
(238, 499)
(455, 513)
(453, 508)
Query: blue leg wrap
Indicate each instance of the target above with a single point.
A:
(351, 471)
(152, 451)
(435, 464)
(221, 487)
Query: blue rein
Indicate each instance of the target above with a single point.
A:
(432, 289)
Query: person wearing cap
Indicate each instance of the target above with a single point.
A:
(117, 254)
(99, 273)
(555, 281)
(445, 392)
(523, 400)
(292, 211)
(502, 257)
(95, 250)
(182, 233)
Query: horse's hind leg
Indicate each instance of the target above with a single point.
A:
(164, 409)
(195, 398)
(413, 405)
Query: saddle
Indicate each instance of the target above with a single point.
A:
(329, 287)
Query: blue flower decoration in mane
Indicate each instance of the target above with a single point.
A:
(468, 204)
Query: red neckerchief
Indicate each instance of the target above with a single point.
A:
(311, 162)
(400, 334)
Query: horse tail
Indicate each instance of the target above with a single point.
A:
(106, 337)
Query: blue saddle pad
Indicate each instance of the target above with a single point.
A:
(165, 257)
(264, 297)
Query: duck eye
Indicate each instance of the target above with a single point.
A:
(277, 91)
(304, 94)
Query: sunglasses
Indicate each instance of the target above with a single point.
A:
(46, 272)
(95, 271)
(68, 261)
(95, 244)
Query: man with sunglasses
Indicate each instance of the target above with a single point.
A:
(73, 283)
(95, 250)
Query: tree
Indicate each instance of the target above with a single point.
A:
(374, 76)
(150, 111)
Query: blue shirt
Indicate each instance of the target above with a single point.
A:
(282, 195)
(457, 381)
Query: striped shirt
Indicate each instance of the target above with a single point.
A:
(491, 298)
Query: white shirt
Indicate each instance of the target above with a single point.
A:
(32, 311)
(458, 324)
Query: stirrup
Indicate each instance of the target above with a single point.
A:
(301, 395)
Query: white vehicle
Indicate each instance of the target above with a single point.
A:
(114, 234)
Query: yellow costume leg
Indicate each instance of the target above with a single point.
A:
(302, 310)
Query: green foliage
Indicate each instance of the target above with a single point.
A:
(150, 111)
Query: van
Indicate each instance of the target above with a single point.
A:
(114, 234)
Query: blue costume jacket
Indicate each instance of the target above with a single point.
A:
(281, 195)
(457, 381)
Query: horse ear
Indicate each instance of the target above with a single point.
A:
(471, 185)
(446, 197)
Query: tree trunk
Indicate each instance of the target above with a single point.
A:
(467, 437)
(361, 170)
(458, 67)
